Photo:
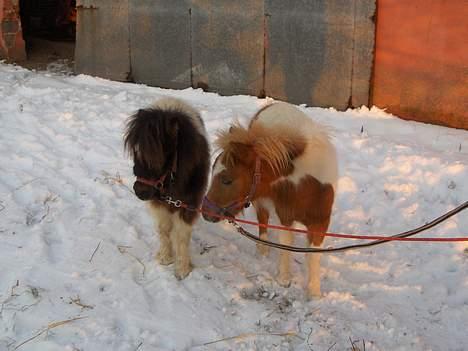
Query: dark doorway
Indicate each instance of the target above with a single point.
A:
(49, 29)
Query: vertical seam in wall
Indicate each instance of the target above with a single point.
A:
(129, 74)
(374, 52)
(263, 91)
(191, 47)
(350, 100)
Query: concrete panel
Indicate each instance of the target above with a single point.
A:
(363, 55)
(160, 42)
(423, 76)
(102, 39)
(309, 51)
(312, 50)
(227, 46)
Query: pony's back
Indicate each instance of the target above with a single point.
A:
(319, 158)
(281, 114)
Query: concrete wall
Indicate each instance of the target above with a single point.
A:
(160, 60)
(102, 39)
(319, 52)
(228, 46)
(12, 45)
(304, 51)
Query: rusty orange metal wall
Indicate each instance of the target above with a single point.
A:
(421, 60)
(12, 45)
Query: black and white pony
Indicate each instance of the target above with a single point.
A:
(171, 159)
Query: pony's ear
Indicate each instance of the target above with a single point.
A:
(242, 153)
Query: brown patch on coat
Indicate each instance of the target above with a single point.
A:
(310, 202)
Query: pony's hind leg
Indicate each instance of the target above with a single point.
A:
(284, 274)
(262, 216)
(181, 235)
(163, 225)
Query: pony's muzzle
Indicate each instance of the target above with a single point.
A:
(210, 211)
(210, 218)
(144, 192)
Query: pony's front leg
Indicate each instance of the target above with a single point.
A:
(313, 283)
(163, 225)
(262, 216)
(313, 262)
(181, 235)
(284, 274)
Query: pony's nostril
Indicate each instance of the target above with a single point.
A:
(144, 195)
(210, 218)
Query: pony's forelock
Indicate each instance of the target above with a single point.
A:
(140, 140)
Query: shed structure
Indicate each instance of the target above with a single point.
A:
(408, 56)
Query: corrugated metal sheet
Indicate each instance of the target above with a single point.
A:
(319, 52)
(421, 62)
(304, 51)
(160, 45)
(102, 39)
(227, 46)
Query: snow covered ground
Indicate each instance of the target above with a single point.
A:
(75, 242)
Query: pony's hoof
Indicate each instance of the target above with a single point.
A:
(285, 282)
(314, 291)
(181, 273)
(164, 259)
(263, 250)
(314, 295)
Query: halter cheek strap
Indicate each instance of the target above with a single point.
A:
(256, 180)
(243, 203)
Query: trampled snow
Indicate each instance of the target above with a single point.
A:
(76, 243)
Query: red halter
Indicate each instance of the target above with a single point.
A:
(159, 183)
(245, 202)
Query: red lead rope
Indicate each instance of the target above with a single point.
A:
(345, 236)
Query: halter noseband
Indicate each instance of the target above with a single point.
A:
(245, 202)
(158, 184)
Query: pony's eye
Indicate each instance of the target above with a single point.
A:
(226, 181)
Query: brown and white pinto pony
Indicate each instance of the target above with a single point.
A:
(171, 159)
(297, 168)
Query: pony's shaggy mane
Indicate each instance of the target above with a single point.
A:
(278, 147)
(169, 137)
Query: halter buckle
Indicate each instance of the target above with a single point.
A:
(172, 177)
(175, 203)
